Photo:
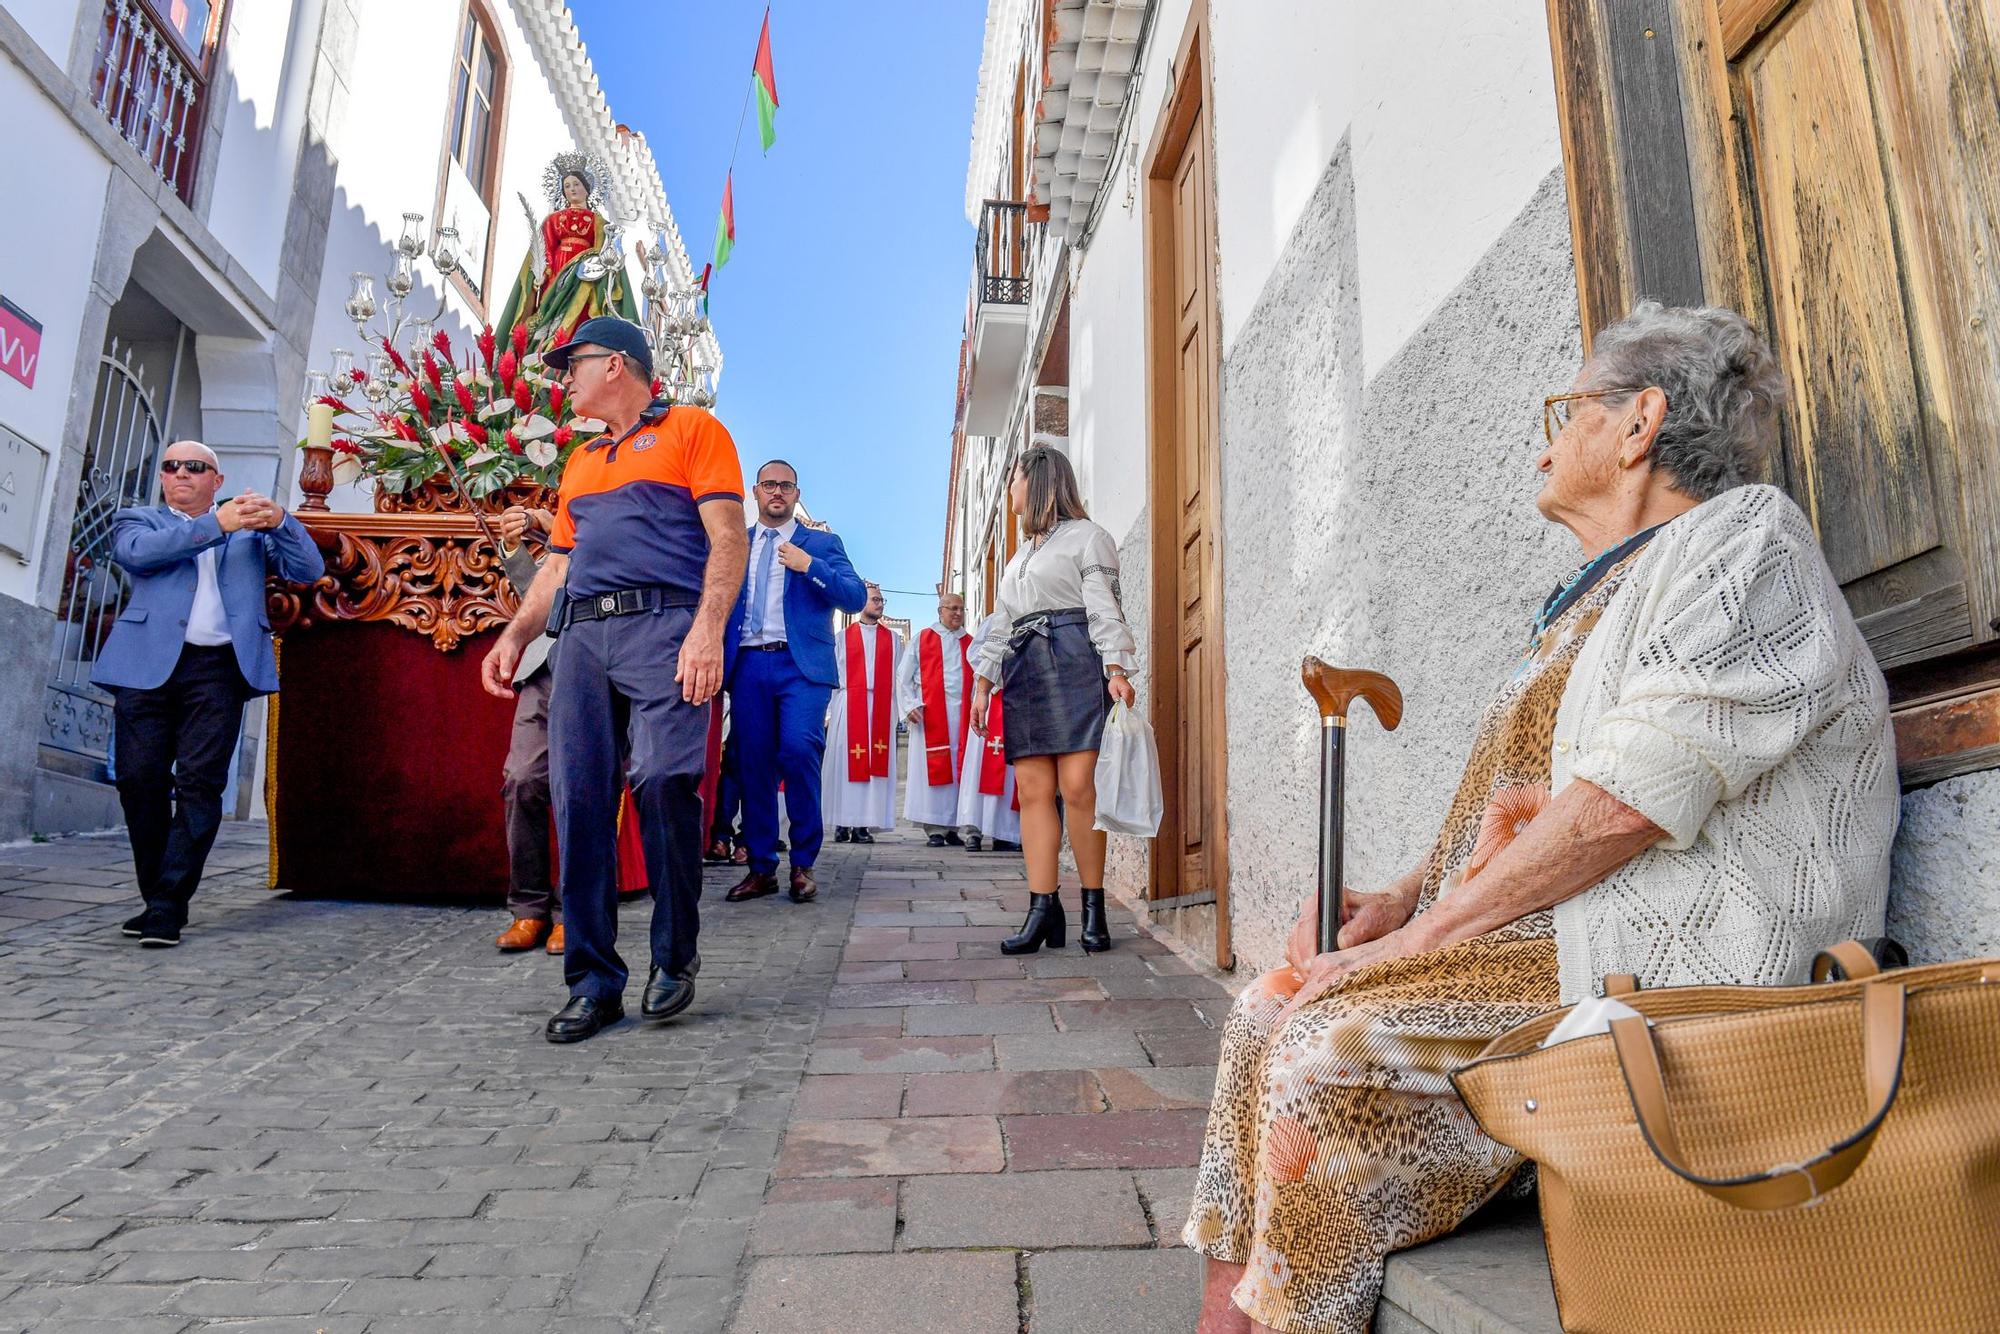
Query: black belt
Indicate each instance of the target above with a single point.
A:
(1041, 622)
(623, 602)
(765, 648)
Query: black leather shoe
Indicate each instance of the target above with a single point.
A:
(1002, 845)
(935, 841)
(1045, 926)
(133, 926)
(975, 844)
(954, 840)
(159, 930)
(840, 834)
(668, 996)
(584, 1017)
(863, 836)
(1096, 934)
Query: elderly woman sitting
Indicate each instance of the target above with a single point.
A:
(1688, 776)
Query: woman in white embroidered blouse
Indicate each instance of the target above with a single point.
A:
(1057, 673)
(1689, 777)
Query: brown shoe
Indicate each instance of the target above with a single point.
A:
(525, 934)
(555, 945)
(804, 888)
(751, 886)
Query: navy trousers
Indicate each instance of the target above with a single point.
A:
(779, 721)
(614, 690)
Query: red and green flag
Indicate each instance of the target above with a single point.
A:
(725, 222)
(764, 77)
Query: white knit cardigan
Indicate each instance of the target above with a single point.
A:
(1727, 696)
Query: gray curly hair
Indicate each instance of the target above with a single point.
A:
(1723, 385)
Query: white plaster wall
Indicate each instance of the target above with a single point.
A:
(1944, 881)
(52, 23)
(53, 288)
(269, 48)
(1449, 107)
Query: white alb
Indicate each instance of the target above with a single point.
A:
(1727, 696)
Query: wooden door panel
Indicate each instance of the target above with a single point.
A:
(1859, 452)
(1194, 763)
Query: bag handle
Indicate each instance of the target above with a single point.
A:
(1849, 961)
(1884, 1022)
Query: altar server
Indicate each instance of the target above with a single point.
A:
(986, 803)
(859, 777)
(649, 547)
(934, 687)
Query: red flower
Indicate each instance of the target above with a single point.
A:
(328, 400)
(464, 396)
(476, 434)
(524, 395)
(442, 342)
(509, 367)
(514, 445)
(555, 400)
(520, 337)
(431, 371)
(486, 346)
(346, 447)
(657, 386)
(396, 359)
(420, 401)
(563, 436)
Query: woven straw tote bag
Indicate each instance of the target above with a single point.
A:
(1768, 1159)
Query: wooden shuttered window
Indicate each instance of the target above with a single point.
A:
(1832, 169)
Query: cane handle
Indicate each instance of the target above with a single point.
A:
(1335, 689)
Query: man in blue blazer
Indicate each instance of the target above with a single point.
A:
(783, 677)
(191, 647)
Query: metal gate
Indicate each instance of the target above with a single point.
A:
(119, 463)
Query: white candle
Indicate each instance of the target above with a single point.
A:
(319, 426)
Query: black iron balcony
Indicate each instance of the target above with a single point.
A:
(1001, 261)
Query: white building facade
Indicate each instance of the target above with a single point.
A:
(1289, 281)
(214, 170)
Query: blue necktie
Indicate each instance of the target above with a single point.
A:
(760, 585)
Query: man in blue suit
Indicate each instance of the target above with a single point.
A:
(192, 646)
(783, 677)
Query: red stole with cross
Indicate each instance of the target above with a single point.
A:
(993, 764)
(871, 713)
(940, 760)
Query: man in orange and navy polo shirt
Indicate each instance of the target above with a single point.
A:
(648, 549)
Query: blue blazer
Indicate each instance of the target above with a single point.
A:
(158, 549)
(828, 584)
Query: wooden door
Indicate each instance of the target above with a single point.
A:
(1871, 134)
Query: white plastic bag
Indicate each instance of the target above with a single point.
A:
(1128, 776)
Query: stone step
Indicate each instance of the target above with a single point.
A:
(1489, 1277)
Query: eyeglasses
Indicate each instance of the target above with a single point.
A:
(193, 467)
(569, 367)
(1556, 408)
(777, 488)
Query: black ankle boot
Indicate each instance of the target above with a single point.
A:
(1045, 926)
(1096, 934)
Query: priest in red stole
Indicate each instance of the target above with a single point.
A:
(935, 693)
(858, 776)
(987, 805)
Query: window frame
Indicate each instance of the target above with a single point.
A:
(479, 14)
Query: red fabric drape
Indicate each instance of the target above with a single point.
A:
(871, 715)
(941, 762)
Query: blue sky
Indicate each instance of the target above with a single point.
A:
(840, 311)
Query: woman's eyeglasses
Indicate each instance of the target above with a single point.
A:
(193, 467)
(1556, 408)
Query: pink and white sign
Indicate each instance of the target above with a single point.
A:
(20, 342)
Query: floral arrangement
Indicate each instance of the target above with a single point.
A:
(493, 420)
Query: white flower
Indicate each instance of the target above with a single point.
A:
(533, 427)
(498, 408)
(541, 452)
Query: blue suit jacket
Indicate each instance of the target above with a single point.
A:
(829, 583)
(158, 549)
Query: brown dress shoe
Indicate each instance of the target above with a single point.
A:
(751, 886)
(804, 888)
(525, 934)
(555, 945)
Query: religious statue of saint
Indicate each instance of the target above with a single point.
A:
(572, 270)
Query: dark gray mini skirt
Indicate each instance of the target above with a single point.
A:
(1056, 696)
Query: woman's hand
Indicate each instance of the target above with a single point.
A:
(1324, 971)
(1122, 691)
(982, 696)
(1363, 917)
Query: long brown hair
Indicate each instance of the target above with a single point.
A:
(1052, 493)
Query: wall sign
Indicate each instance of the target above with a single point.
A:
(20, 342)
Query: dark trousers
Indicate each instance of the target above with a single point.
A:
(614, 687)
(175, 743)
(525, 791)
(779, 719)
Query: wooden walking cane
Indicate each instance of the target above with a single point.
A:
(1334, 689)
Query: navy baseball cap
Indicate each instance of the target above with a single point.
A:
(610, 333)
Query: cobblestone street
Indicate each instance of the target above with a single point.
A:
(335, 1116)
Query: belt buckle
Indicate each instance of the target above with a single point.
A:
(607, 604)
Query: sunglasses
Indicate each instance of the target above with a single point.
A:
(192, 467)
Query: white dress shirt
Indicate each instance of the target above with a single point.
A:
(208, 622)
(771, 629)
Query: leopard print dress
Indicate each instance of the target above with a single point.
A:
(1335, 1138)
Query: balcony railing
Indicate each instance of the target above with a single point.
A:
(149, 90)
(1001, 262)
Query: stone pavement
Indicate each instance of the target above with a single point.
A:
(328, 1116)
